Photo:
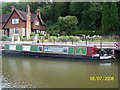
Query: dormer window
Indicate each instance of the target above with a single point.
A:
(37, 22)
(15, 21)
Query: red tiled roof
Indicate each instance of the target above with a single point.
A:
(4, 17)
(1, 26)
(23, 16)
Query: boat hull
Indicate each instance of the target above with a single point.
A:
(21, 53)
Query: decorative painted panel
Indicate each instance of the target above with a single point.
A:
(18, 47)
(6, 47)
(81, 51)
(71, 50)
(12, 47)
(56, 49)
(34, 48)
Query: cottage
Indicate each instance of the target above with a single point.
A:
(19, 23)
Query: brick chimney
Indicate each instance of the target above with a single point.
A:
(38, 12)
(28, 21)
(28, 8)
(12, 8)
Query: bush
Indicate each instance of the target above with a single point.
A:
(32, 34)
(76, 39)
(40, 34)
(47, 36)
(63, 38)
(68, 24)
(52, 38)
(52, 28)
(5, 38)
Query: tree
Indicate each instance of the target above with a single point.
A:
(60, 9)
(76, 9)
(52, 28)
(110, 18)
(90, 15)
(68, 24)
(6, 7)
(0, 8)
(118, 5)
(47, 12)
(114, 17)
(95, 15)
(105, 18)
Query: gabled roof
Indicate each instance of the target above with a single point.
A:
(23, 16)
(5, 17)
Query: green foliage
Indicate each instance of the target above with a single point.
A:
(68, 24)
(68, 39)
(63, 39)
(73, 39)
(5, 38)
(53, 38)
(46, 36)
(90, 16)
(32, 34)
(114, 17)
(86, 32)
(61, 9)
(109, 18)
(40, 34)
(105, 18)
(0, 8)
(52, 28)
(47, 12)
(6, 6)
(77, 9)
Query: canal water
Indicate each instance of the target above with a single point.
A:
(44, 72)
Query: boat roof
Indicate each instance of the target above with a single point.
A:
(52, 44)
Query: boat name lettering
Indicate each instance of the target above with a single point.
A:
(12, 47)
(26, 48)
(56, 49)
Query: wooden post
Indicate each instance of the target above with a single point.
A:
(54, 40)
(72, 41)
(86, 39)
(100, 46)
(42, 40)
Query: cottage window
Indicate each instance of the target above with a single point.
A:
(36, 22)
(15, 21)
(16, 31)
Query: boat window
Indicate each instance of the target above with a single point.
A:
(40, 48)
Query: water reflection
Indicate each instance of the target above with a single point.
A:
(105, 64)
(56, 73)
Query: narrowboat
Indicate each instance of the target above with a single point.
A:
(57, 50)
